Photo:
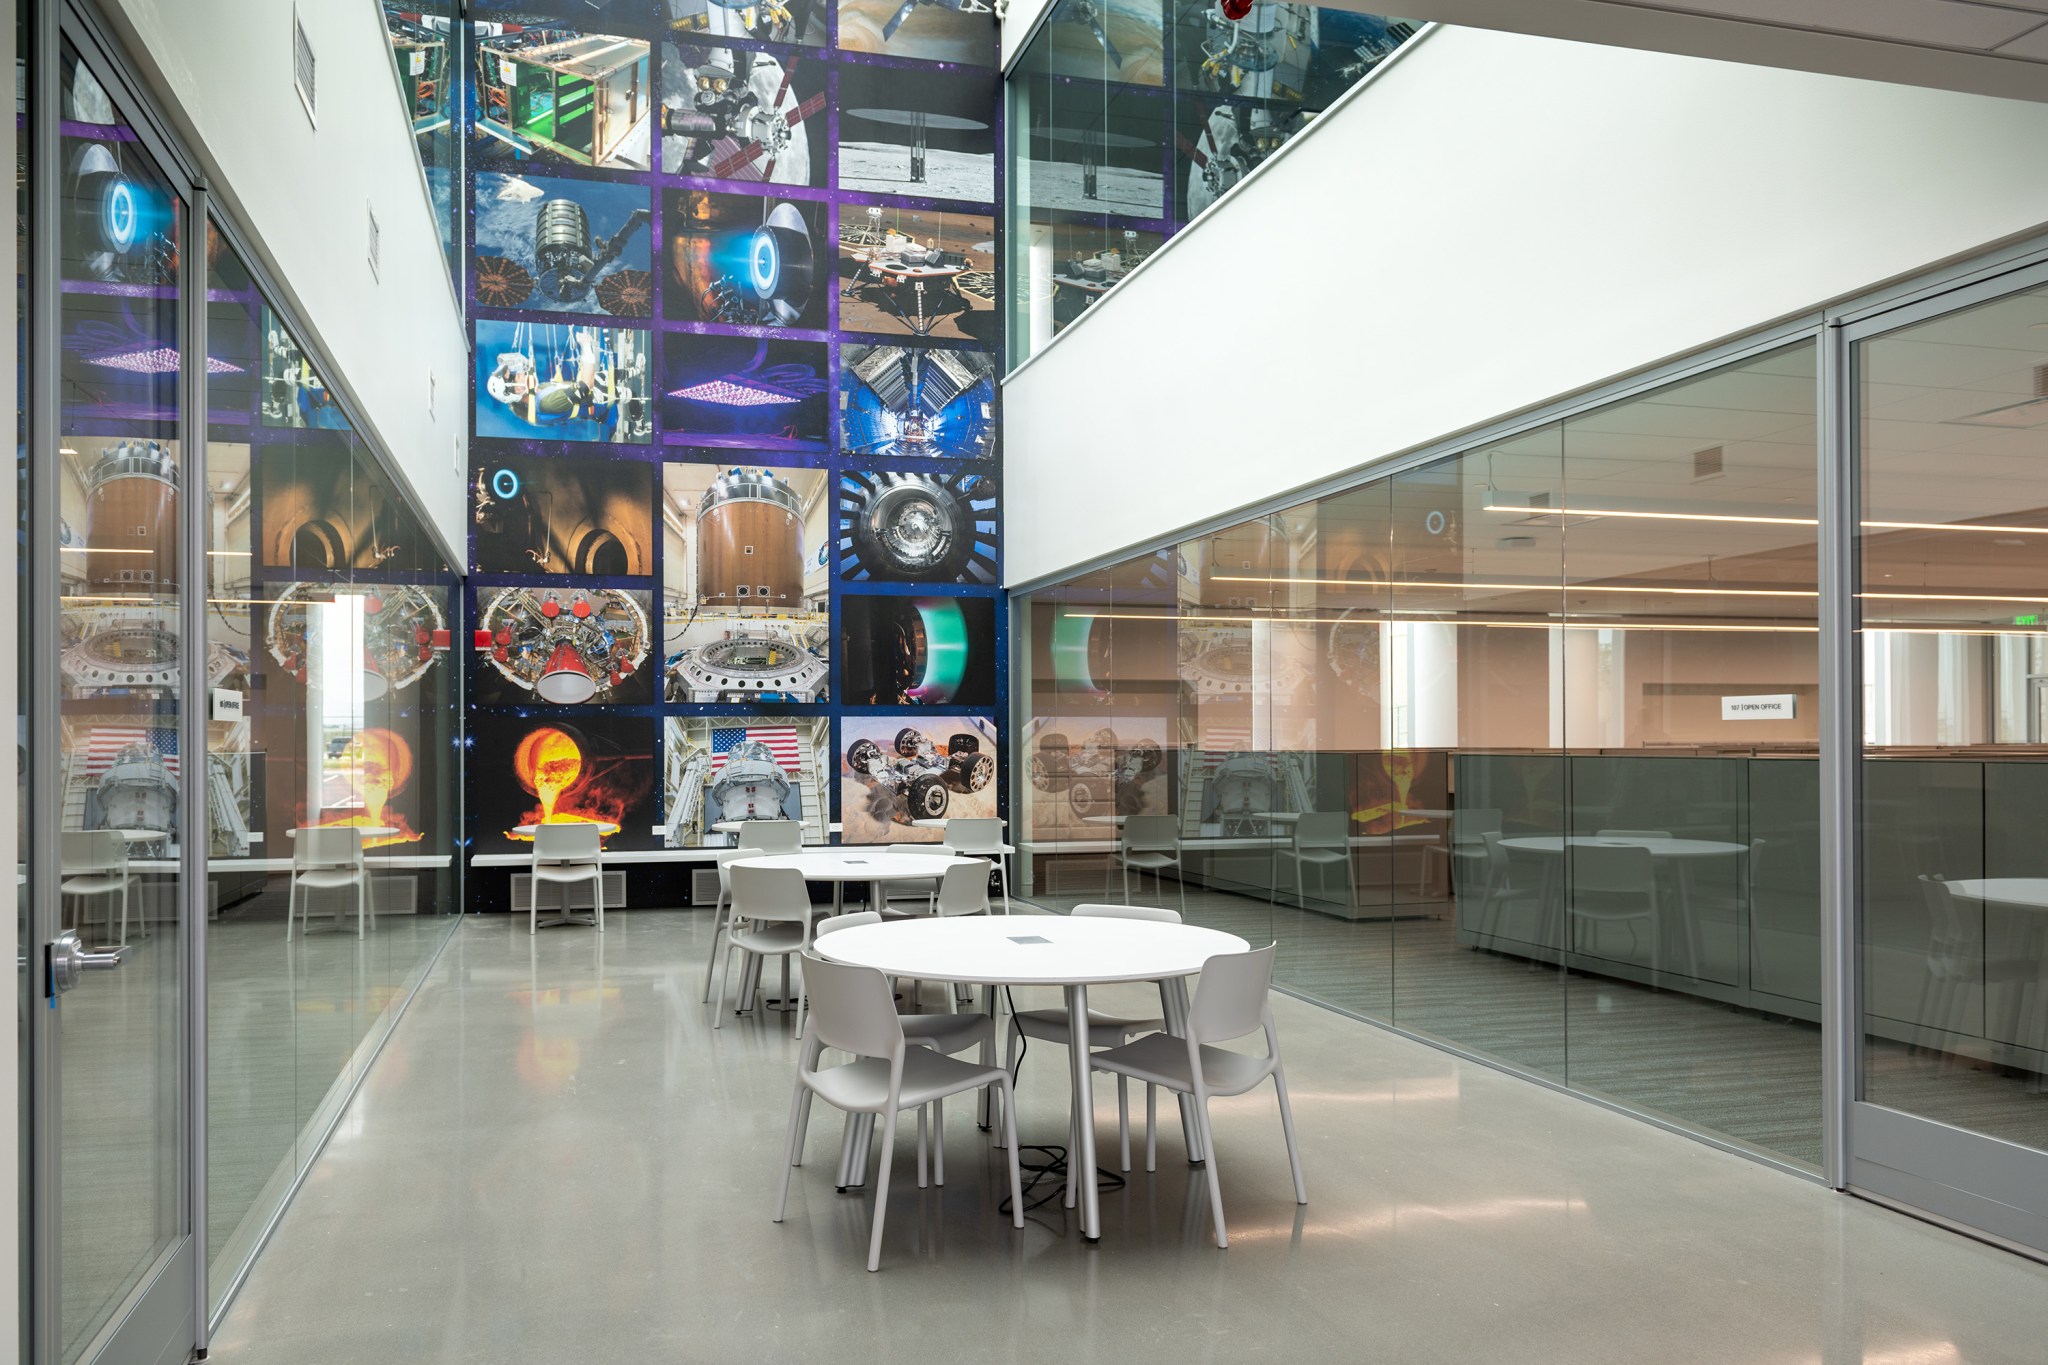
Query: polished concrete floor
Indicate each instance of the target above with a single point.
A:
(557, 1158)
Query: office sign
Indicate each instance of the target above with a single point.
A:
(1776, 706)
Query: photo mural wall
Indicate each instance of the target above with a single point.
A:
(735, 468)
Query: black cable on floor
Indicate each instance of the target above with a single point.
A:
(1054, 1167)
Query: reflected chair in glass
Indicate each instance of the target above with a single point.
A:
(1960, 959)
(1105, 1030)
(1322, 840)
(565, 855)
(1230, 1002)
(772, 836)
(855, 1012)
(942, 1033)
(1463, 849)
(1617, 885)
(327, 858)
(1151, 843)
(1507, 883)
(771, 917)
(95, 867)
(978, 837)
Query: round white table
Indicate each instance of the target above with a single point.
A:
(855, 864)
(734, 826)
(367, 831)
(143, 836)
(2021, 893)
(941, 824)
(1047, 950)
(603, 827)
(1681, 851)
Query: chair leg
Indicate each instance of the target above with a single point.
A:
(1010, 1141)
(938, 1142)
(921, 1158)
(597, 895)
(1127, 883)
(882, 1185)
(532, 906)
(1287, 1127)
(799, 1119)
(1123, 1119)
(1003, 878)
(362, 905)
(291, 911)
(1209, 1167)
(1151, 1126)
(717, 933)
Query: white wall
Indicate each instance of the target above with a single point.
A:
(1497, 220)
(225, 69)
(1018, 20)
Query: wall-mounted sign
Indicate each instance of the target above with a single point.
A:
(1777, 706)
(227, 704)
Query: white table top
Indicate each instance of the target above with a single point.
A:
(1659, 848)
(856, 864)
(603, 827)
(983, 949)
(733, 826)
(2025, 893)
(941, 824)
(143, 836)
(367, 831)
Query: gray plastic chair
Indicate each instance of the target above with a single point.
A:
(1230, 1002)
(1322, 840)
(982, 837)
(1151, 843)
(328, 858)
(771, 917)
(854, 1011)
(772, 836)
(95, 866)
(1050, 1026)
(566, 855)
(721, 921)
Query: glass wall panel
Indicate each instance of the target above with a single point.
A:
(1515, 749)
(121, 468)
(427, 54)
(1132, 119)
(332, 759)
(1954, 915)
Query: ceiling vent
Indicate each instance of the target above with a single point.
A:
(302, 63)
(2033, 412)
(1708, 463)
(376, 245)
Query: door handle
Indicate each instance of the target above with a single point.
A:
(68, 958)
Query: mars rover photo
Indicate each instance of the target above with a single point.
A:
(1095, 772)
(917, 782)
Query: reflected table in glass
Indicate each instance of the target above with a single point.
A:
(1681, 852)
(1048, 950)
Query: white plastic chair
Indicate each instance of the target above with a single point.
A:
(1050, 1026)
(1464, 843)
(1617, 886)
(771, 917)
(1229, 1003)
(982, 837)
(1151, 843)
(95, 865)
(721, 914)
(327, 858)
(566, 855)
(910, 891)
(772, 836)
(855, 1012)
(1322, 840)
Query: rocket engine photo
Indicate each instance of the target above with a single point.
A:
(565, 647)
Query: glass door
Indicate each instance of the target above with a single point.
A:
(1950, 424)
(111, 569)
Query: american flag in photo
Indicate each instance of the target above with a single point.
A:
(780, 739)
(105, 743)
(1221, 741)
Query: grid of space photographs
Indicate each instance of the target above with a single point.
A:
(735, 480)
(1143, 113)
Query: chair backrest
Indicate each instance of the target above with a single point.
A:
(1612, 870)
(1151, 834)
(1948, 929)
(1231, 999)
(93, 850)
(573, 842)
(329, 846)
(937, 850)
(852, 1008)
(1157, 914)
(772, 836)
(770, 893)
(1475, 824)
(963, 890)
(1632, 834)
(1323, 829)
(832, 924)
(977, 834)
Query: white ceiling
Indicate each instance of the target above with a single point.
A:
(1989, 47)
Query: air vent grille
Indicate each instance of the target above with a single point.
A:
(303, 65)
(1708, 463)
(2041, 381)
(376, 241)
